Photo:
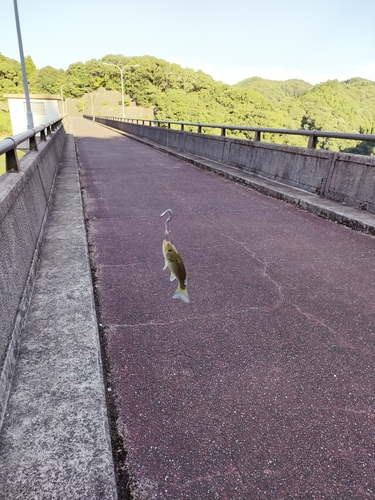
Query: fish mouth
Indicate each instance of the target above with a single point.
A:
(167, 245)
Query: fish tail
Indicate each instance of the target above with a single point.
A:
(181, 293)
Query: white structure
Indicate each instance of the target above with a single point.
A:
(45, 108)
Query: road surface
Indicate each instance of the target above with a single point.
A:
(263, 386)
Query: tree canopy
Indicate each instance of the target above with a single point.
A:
(182, 94)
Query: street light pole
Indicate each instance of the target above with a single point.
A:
(62, 95)
(92, 104)
(29, 114)
(122, 81)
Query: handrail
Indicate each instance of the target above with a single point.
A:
(8, 146)
(312, 135)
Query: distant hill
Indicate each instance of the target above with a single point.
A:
(347, 106)
(182, 94)
(276, 90)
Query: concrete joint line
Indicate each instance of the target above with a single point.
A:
(328, 178)
(41, 182)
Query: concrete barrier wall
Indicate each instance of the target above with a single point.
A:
(25, 198)
(341, 177)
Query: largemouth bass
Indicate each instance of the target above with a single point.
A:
(174, 262)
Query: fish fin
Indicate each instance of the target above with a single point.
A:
(182, 294)
(172, 277)
(165, 265)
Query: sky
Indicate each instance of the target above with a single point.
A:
(229, 39)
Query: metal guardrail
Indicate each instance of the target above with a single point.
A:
(9, 145)
(313, 135)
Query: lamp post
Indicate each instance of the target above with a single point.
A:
(92, 105)
(62, 95)
(122, 81)
(29, 114)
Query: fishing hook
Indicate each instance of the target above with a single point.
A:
(170, 215)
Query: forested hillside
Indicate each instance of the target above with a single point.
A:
(182, 94)
(274, 89)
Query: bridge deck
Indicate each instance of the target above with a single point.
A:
(262, 387)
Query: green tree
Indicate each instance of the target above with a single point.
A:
(10, 76)
(48, 80)
(182, 94)
(30, 67)
(77, 74)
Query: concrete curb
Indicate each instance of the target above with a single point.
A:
(356, 219)
(55, 438)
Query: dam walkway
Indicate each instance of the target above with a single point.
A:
(262, 386)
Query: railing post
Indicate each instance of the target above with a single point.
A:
(199, 129)
(182, 126)
(169, 125)
(12, 163)
(313, 139)
(257, 136)
(222, 131)
(33, 146)
(43, 135)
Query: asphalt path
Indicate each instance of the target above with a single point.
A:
(263, 386)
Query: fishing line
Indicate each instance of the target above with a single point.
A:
(167, 102)
(167, 107)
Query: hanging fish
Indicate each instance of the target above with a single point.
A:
(174, 262)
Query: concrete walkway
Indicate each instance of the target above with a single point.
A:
(262, 387)
(54, 443)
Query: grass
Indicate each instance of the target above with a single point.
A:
(2, 164)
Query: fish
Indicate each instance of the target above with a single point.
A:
(174, 262)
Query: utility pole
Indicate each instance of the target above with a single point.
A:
(29, 114)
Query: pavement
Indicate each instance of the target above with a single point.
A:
(323, 207)
(55, 440)
(260, 388)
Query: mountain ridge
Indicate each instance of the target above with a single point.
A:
(183, 94)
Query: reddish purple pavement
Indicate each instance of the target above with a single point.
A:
(263, 386)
